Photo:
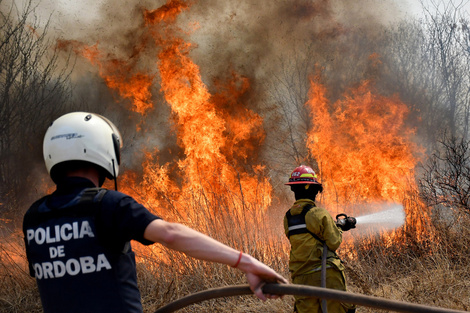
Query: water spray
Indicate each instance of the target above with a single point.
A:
(393, 217)
(386, 216)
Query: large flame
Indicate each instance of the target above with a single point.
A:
(216, 132)
(363, 148)
(216, 141)
(216, 170)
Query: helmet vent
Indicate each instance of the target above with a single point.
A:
(88, 117)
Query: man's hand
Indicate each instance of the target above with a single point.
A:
(258, 274)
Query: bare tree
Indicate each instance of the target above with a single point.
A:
(426, 63)
(446, 55)
(33, 91)
(288, 91)
(445, 182)
(407, 74)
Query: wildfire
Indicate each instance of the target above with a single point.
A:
(216, 132)
(207, 131)
(363, 148)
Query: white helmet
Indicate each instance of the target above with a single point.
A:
(81, 136)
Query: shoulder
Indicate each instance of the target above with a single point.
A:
(319, 210)
(32, 212)
(124, 202)
(115, 196)
(125, 216)
(318, 213)
(118, 201)
(36, 204)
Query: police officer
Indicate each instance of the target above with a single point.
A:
(78, 238)
(310, 229)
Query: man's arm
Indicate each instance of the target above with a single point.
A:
(195, 244)
(320, 222)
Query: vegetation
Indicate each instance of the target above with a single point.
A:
(33, 88)
(432, 273)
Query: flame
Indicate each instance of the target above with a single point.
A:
(166, 13)
(217, 134)
(363, 148)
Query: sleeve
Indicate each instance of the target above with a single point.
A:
(286, 227)
(127, 218)
(30, 266)
(30, 217)
(320, 222)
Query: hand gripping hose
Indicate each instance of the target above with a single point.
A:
(302, 290)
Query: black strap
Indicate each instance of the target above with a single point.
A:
(94, 195)
(89, 196)
(293, 220)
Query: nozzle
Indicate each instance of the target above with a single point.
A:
(345, 222)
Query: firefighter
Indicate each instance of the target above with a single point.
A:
(77, 239)
(309, 229)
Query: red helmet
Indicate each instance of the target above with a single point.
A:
(303, 175)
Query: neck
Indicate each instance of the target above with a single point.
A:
(90, 173)
(304, 197)
(305, 194)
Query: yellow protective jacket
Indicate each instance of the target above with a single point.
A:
(306, 250)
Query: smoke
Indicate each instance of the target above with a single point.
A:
(251, 38)
(249, 35)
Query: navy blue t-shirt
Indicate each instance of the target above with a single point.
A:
(79, 251)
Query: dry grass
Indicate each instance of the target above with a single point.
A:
(432, 273)
(18, 291)
(435, 276)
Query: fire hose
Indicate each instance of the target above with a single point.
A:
(303, 290)
(323, 293)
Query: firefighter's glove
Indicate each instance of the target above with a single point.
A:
(345, 222)
(350, 223)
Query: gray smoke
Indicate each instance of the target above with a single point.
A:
(250, 37)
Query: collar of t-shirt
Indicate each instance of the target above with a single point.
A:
(67, 190)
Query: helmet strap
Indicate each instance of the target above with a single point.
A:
(114, 176)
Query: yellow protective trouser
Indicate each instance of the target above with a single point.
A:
(334, 280)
